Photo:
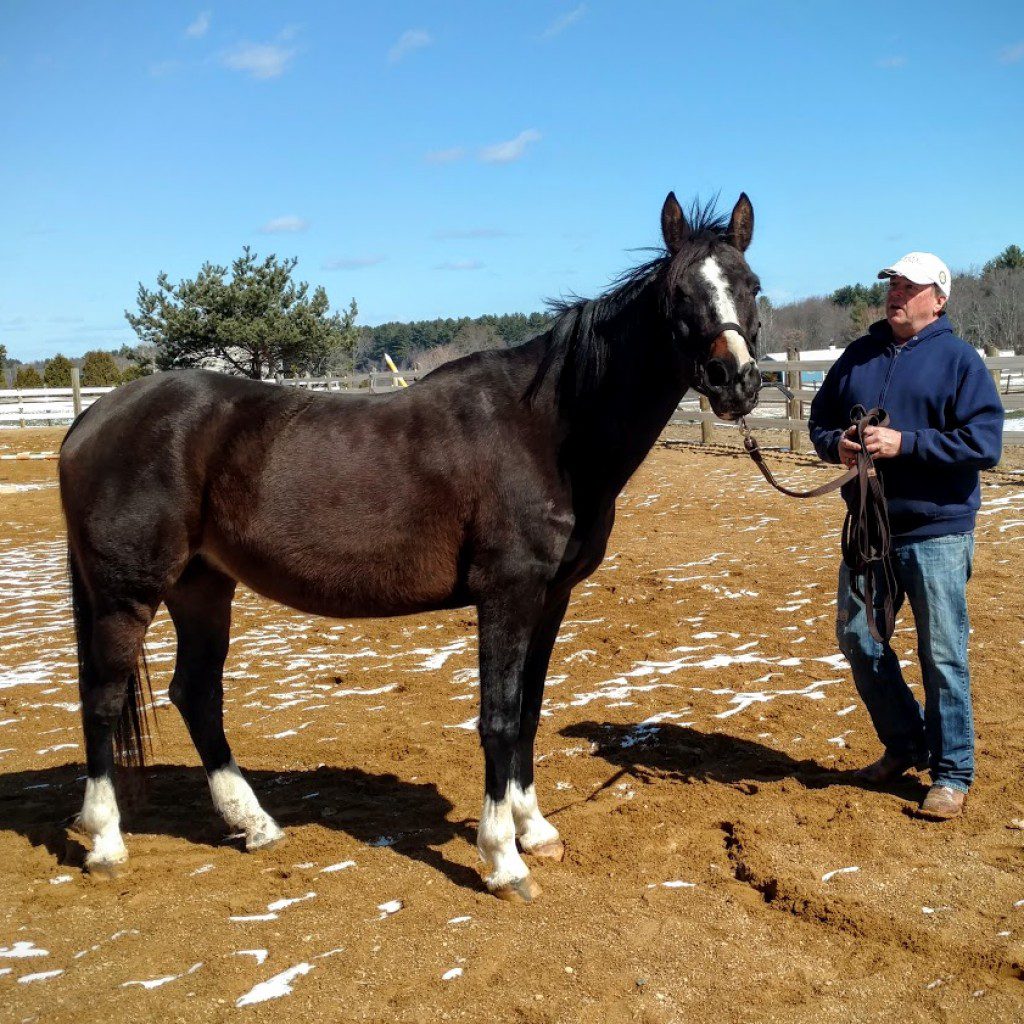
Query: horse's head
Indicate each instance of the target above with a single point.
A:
(711, 297)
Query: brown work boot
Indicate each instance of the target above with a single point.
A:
(888, 768)
(942, 803)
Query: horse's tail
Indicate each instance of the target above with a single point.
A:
(132, 731)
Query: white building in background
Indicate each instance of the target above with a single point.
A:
(812, 378)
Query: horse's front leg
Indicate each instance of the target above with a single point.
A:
(507, 622)
(536, 835)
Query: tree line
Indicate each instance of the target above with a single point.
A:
(257, 321)
(986, 308)
(97, 368)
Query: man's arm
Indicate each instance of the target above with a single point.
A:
(977, 441)
(825, 422)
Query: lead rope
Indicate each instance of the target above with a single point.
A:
(866, 537)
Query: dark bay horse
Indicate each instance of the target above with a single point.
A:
(491, 482)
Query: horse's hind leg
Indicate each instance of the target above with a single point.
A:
(536, 835)
(110, 642)
(200, 607)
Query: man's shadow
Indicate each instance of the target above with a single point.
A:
(412, 818)
(686, 754)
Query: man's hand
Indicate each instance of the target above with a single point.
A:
(881, 443)
(848, 449)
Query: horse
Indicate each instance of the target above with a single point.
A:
(490, 482)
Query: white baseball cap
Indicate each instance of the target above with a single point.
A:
(921, 268)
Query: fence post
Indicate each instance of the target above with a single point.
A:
(76, 390)
(707, 428)
(991, 351)
(793, 383)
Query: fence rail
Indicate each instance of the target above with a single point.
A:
(26, 406)
(774, 411)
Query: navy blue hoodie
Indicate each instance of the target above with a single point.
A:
(941, 397)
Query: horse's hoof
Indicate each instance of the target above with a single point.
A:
(525, 890)
(553, 850)
(265, 839)
(104, 870)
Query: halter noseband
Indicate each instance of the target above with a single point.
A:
(699, 374)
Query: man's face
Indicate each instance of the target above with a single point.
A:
(911, 307)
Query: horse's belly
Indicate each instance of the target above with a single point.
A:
(347, 584)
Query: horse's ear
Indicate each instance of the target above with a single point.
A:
(741, 224)
(674, 228)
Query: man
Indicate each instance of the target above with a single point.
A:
(946, 425)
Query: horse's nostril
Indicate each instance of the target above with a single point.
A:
(750, 378)
(717, 373)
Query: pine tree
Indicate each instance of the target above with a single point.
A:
(99, 370)
(27, 377)
(1011, 258)
(257, 323)
(57, 372)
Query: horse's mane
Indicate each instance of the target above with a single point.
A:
(576, 343)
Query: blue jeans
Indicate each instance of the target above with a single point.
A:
(932, 574)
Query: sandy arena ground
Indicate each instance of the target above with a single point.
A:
(700, 728)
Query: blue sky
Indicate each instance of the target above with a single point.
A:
(455, 159)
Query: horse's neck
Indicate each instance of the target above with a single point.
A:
(617, 426)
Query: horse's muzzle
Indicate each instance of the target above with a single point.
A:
(732, 392)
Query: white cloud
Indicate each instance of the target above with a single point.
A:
(890, 63)
(559, 25)
(414, 39)
(1012, 54)
(460, 265)
(199, 27)
(283, 225)
(353, 263)
(445, 156)
(507, 152)
(261, 60)
(163, 68)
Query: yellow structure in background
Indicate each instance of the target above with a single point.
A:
(394, 369)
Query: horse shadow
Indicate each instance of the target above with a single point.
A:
(411, 818)
(685, 754)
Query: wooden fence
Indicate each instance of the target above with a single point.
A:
(774, 411)
(33, 406)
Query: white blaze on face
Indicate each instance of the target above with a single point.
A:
(725, 309)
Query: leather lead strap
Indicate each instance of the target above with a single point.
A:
(866, 538)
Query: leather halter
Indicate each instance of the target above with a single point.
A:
(699, 374)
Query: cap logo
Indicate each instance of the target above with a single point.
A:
(942, 277)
